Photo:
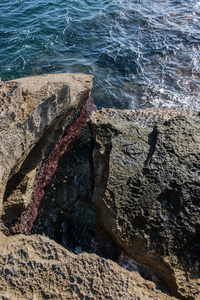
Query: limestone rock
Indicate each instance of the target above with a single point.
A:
(147, 190)
(34, 267)
(34, 112)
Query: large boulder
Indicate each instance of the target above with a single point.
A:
(35, 267)
(34, 114)
(147, 190)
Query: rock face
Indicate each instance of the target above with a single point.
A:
(34, 114)
(43, 269)
(147, 189)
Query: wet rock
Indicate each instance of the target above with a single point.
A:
(67, 213)
(34, 114)
(147, 188)
(43, 269)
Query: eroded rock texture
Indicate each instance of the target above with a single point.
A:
(147, 190)
(35, 267)
(34, 114)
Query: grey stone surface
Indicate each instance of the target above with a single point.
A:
(147, 189)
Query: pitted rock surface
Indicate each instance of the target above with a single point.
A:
(147, 190)
(35, 267)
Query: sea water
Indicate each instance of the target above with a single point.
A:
(142, 53)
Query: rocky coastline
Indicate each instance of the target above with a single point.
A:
(146, 188)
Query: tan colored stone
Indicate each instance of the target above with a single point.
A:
(35, 267)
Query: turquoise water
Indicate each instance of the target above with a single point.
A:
(141, 52)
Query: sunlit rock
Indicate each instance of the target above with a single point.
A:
(45, 270)
(34, 114)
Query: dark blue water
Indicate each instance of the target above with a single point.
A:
(141, 52)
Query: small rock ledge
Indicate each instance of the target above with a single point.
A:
(45, 270)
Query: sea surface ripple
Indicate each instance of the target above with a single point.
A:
(142, 53)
